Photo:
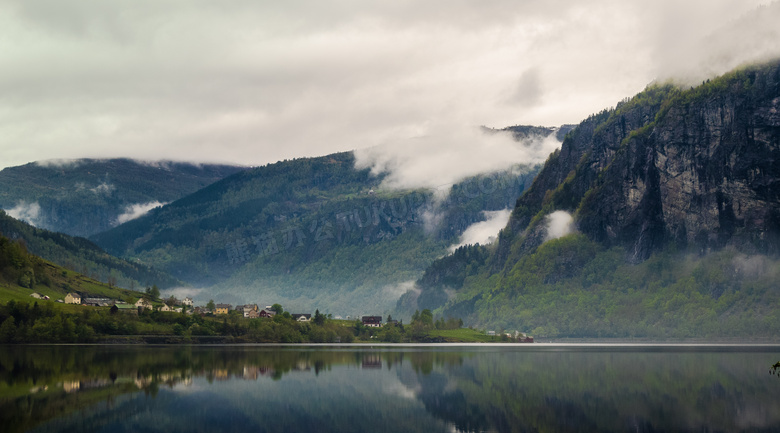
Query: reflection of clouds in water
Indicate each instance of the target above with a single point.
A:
(401, 390)
(187, 386)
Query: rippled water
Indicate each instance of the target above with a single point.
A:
(389, 388)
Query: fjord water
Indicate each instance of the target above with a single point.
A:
(536, 387)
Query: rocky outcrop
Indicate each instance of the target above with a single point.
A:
(571, 172)
(703, 175)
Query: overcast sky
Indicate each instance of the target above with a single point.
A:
(253, 82)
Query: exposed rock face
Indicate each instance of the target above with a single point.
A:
(705, 174)
(697, 168)
(572, 171)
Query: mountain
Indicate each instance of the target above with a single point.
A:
(85, 196)
(658, 218)
(80, 255)
(311, 233)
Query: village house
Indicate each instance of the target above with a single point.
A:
(143, 304)
(246, 309)
(97, 302)
(266, 313)
(124, 308)
(223, 308)
(302, 317)
(73, 298)
(187, 301)
(372, 321)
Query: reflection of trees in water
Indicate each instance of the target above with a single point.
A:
(473, 390)
(73, 368)
(67, 379)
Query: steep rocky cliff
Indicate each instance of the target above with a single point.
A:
(697, 168)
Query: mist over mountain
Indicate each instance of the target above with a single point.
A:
(640, 224)
(82, 197)
(328, 232)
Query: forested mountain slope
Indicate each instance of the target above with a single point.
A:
(86, 196)
(81, 255)
(311, 233)
(22, 274)
(653, 186)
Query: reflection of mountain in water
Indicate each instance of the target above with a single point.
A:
(404, 389)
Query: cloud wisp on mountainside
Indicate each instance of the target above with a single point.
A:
(484, 232)
(137, 210)
(27, 212)
(445, 154)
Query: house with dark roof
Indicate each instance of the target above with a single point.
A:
(372, 321)
(266, 313)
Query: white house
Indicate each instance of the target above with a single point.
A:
(73, 298)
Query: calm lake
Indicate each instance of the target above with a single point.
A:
(534, 387)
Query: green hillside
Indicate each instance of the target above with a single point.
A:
(309, 233)
(22, 274)
(80, 255)
(86, 196)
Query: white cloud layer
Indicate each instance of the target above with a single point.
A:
(254, 82)
(444, 154)
(138, 210)
(484, 232)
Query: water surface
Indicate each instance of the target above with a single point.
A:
(388, 388)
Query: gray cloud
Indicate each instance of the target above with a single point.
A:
(529, 88)
(255, 82)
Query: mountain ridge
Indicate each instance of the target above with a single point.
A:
(82, 197)
(311, 232)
